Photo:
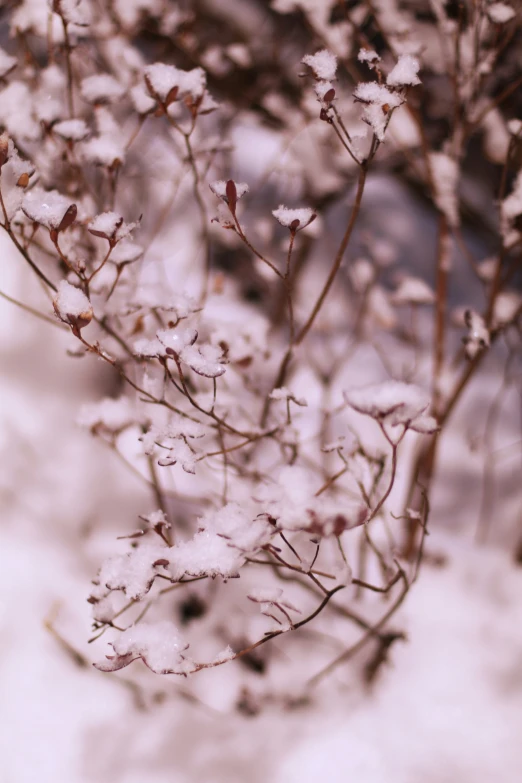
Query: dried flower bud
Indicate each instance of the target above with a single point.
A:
(69, 218)
(231, 192)
(172, 95)
(329, 96)
(72, 306)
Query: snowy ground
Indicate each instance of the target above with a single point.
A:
(448, 707)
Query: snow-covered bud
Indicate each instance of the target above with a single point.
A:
(72, 306)
(294, 219)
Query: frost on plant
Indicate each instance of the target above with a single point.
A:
(279, 372)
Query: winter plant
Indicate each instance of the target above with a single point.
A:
(289, 502)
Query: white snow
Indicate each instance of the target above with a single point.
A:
(16, 113)
(394, 401)
(371, 92)
(108, 146)
(322, 88)
(293, 503)
(105, 224)
(379, 102)
(159, 644)
(180, 451)
(282, 393)
(47, 207)
(204, 359)
(219, 548)
(287, 216)
(73, 130)
(323, 64)
(50, 99)
(104, 151)
(101, 88)
(219, 188)
(163, 78)
(377, 118)
(425, 424)
(111, 226)
(142, 101)
(149, 348)
(478, 337)
(206, 554)
(500, 13)
(72, 306)
(132, 572)
(262, 595)
(15, 178)
(368, 56)
(404, 74)
(180, 426)
(174, 340)
(227, 654)
(106, 608)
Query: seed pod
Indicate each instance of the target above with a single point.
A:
(172, 95)
(329, 95)
(69, 218)
(231, 192)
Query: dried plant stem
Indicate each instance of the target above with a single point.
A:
(440, 309)
(68, 65)
(27, 257)
(34, 312)
(285, 362)
(347, 654)
(338, 257)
